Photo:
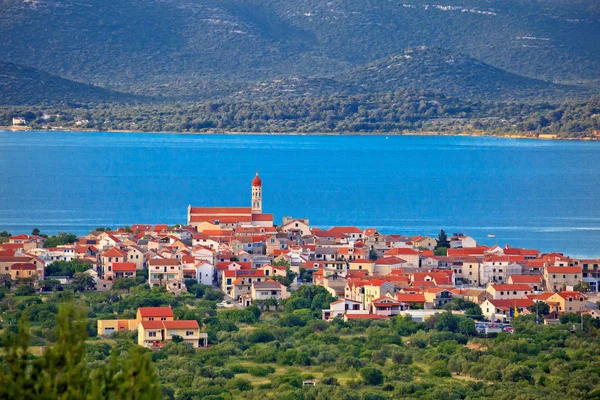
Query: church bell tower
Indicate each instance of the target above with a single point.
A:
(256, 195)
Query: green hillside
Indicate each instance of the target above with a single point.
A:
(188, 46)
(422, 68)
(23, 85)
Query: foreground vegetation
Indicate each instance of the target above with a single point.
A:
(270, 354)
(401, 111)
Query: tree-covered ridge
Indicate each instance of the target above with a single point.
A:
(185, 45)
(402, 111)
(266, 355)
(22, 85)
(422, 68)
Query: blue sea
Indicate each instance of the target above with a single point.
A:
(531, 193)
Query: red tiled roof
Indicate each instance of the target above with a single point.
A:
(410, 298)
(163, 262)
(526, 278)
(262, 217)
(366, 316)
(23, 267)
(566, 294)
(155, 312)
(114, 252)
(152, 324)
(563, 270)
(123, 267)
(401, 251)
(509, 287)
(389, 261)
(184, 324)
(220, 210)
(508, 303)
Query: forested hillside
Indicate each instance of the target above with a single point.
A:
(421, 68)
(179, 46)
(23, 85)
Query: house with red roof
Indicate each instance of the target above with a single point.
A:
(120, 270)
(387, 306)
(502, 291)
(567, 302)
(535, 281)
(503, 310)
(386, 265)
(158, 333)
(559, 278)
(112, 255)
(339, 308)
(166, 272)
(411, 256)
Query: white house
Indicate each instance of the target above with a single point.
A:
(205, 273)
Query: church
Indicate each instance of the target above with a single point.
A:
(233, 216)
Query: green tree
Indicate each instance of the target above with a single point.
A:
(82, 281)
(62, 373)
(442, 240)
(440, 368)
(540, 308)
(35, 232)
(371, 376)
(124, 283)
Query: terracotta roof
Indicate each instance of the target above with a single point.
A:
(390, 261)
(23, 267)
(152, 324)
(262, 217)
(401, 251)
(563, 270)
(366, 316)
(526, 278)
(566, 294)
(184, 324)
(220, 210)
(146, 312)
(410, 298)
(114, 252)
(125, 267)
(509, 287)
(508, 303)
(163, 262)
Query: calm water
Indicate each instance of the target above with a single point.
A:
(541, 194)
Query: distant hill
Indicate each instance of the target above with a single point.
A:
(185, 47)
(22, 86)
(422, 68)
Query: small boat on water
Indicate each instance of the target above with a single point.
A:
(491, 235)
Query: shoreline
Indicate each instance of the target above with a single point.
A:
(408, 133)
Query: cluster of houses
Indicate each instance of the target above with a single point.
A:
(372, 274)
(156, 326)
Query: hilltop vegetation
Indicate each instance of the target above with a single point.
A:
(421, 68)
(267, 355)
(183, 47)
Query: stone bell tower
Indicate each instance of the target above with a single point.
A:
(256, 195)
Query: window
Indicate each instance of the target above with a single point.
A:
(151, 319)
(151, 334)
(575, 276)
(163, 318)
(189, 333)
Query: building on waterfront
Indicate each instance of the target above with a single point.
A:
(233, 216)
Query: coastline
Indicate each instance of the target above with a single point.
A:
(406, 133)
